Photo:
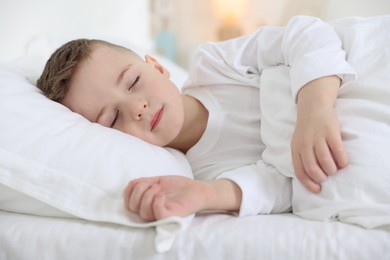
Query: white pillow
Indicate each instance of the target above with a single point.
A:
(360, 193)
(53, 162)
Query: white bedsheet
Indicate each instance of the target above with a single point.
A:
(208, 237)
(214, 237)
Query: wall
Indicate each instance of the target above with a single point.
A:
(340, 8)
(195, 22)
(22, 20)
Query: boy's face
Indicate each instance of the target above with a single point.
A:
(117, 89)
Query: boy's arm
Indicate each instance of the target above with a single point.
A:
(312, 50)
(156, 198)
(317, 148)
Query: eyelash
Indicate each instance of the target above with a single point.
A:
(135, 82)
(117, 112)
(115, 119)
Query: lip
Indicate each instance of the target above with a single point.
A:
(156, 119)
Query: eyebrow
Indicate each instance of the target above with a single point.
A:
(120, 77)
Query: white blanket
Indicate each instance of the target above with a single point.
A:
(359, 193)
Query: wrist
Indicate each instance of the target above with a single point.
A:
(222, 195)
(320, 92)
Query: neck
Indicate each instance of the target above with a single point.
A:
(195, 122)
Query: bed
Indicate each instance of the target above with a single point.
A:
(61, 184)
(217, 236)
(37, 231)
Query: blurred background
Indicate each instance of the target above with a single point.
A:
(172, 28)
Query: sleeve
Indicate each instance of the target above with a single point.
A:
(264, 189)
(307, 44)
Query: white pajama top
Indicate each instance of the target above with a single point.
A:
(225, 78)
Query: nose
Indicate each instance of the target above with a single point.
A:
(138, 108)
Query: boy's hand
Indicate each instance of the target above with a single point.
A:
(156, 198)
(316, 145)
(317, 148)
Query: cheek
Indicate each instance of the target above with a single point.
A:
(131, 131)
(141, 134)
(174, 125)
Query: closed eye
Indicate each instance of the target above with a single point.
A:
(115, 119)
(135, 82)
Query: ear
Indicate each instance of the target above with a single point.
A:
(152, 61)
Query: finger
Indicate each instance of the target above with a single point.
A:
(338, 152)
(136, 196)
(325, 159)
(311, 167)
(146, 205)
(301, 175)
(159, 208)
(127, 193)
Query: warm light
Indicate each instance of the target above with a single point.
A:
(229, 12)
(229, 9)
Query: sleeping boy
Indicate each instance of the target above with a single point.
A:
(216, 119)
